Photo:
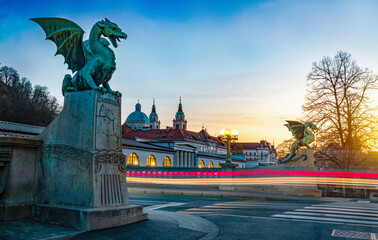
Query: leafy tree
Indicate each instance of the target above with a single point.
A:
(338, 103)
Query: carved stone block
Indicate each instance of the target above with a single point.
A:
(82, 167)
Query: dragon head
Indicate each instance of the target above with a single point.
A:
(112, 31)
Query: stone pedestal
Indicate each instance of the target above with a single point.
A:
(82, 168)
(305, 159)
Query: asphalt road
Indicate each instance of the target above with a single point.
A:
(248, 219)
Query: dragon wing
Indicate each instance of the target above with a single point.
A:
(68, 37)
(296, 128)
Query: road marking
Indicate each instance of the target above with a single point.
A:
(147, 202)
(237, 204)
(329, 211)
(354, 234)
(206, 209)
(172, 204)
(287, 219)
(332, 215)
(232, 207)
(363, 201)
(325, 219)
(339, 209)
(351, 207)
(195, 212)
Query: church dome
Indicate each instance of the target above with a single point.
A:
(138, 116)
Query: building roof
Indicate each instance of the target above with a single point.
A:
(252, 145)
(170, 134)
(220, 156)
(20, 128)
(138, 116)
(133, 143)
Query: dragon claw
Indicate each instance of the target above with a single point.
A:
(117, 93)
(102, 90)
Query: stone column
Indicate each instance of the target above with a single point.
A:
(180, 158)
(183, 159)
(176, 159)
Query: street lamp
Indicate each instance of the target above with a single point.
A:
(227, 136)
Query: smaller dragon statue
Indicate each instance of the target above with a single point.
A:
(92, 62)
(303, 137)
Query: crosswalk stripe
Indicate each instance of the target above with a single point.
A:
(337, 206)
(332, 215)
(237, 204)
(325, 219)
(233, 207)
(339, 209)
(172, 204)
(206, 209)
(338, 212)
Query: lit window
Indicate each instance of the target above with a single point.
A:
(218, 165)
(211, 164)
(133, 159)
(167, 162)
(243, 166)
(201, 164)
(151, 161)
(237, 166)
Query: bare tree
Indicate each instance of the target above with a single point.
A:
(283, 149)
(338, 103)
(20, 102)
(9, 76)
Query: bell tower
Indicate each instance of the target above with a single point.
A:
(179, 122)
(154, 118)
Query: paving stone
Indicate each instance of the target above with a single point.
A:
(29, 229)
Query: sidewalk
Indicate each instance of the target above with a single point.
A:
(231, 194)
(160, 224)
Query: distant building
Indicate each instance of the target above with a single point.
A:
(179, 122)
(256, 153)
(154, 118)
(173, 146)
(138, 119)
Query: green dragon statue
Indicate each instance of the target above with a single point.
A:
(92, 60)
(303, 137)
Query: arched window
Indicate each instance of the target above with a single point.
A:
(167, 162)
(201, 164)
(211, 164)
(237, 166)
(218, 165)
(243, 166)
(133, 159)
(177, 126)
(151, 161)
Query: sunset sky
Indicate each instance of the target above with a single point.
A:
(236, 64)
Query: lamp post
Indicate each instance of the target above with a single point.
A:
(227, 136)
